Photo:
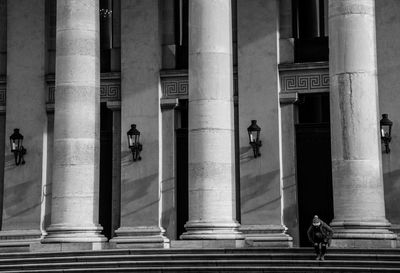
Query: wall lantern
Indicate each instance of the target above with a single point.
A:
(254, 137)
(386, 131)
(16, 147)
(133, 142)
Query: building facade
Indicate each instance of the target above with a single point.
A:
(316, 75)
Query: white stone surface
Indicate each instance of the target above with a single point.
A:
(3, 37)
(388, 45)
(75, 188)
(211, 138)
(26, 111)
(261, 200)
(356, 160)
(140, 97)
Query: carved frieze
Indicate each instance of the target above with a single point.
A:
(110, 88)
(304, 78)
(3, 88)
(175, 84)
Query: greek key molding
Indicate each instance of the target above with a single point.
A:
(304, 78)
(110, 92)
(175, 84)
(175, 87)
(110, 88)
(3, 90)
(3, 94)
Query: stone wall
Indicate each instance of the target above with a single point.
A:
(388, 46)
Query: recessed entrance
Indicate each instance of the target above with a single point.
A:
(314, 168)
(106, 155)
(182, 175)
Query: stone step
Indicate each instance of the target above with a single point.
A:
(204, 260)
(201, 263)
(243, 269)
(207, 256)
(197, 251)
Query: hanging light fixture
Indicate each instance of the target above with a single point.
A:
(133, 142)
(254, 137)
(17, 149)
(386, 131)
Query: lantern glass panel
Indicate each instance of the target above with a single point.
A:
(385, 131)
(16, 140)
(131, 141)
(253, 136)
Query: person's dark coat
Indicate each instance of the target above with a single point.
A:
(325, 230)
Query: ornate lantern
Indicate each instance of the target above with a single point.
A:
(386, 131)
(133, 142)
(254, 137)
(19, 151)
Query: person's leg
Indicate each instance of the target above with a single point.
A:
(316, 248)
(323, 251)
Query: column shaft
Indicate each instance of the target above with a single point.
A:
(74, 216)
(356, 160)
(211, 129)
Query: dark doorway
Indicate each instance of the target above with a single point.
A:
(314, 168)
(182, 176)
(105, 200)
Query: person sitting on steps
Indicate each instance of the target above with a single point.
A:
(320, 235)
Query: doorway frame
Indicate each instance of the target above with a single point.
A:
(295, 79)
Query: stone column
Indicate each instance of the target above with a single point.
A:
(211, 129)
(75, 190)
(356, 156)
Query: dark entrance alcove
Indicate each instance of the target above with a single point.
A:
(182, 176)
(105, 195)
(314, 168)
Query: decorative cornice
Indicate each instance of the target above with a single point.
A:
(110, 87)
(175, 83)
(169, 103)
(288, 98)
(3, 92)
(304, 78)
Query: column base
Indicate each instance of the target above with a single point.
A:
(18, 240)
(199, 230)
(74, 234)
(396, 230)
(239, 243)
(266, 236)
(140, 237)
(360, 234)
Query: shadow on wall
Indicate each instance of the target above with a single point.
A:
(391, 182)
(139, 191)
(261, 191)
(17, 204)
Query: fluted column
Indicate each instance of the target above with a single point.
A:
(211, 131)
(359, 207)
(75, 189)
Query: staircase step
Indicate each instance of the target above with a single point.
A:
(203, 260)
(202, 263)
(243, 269)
